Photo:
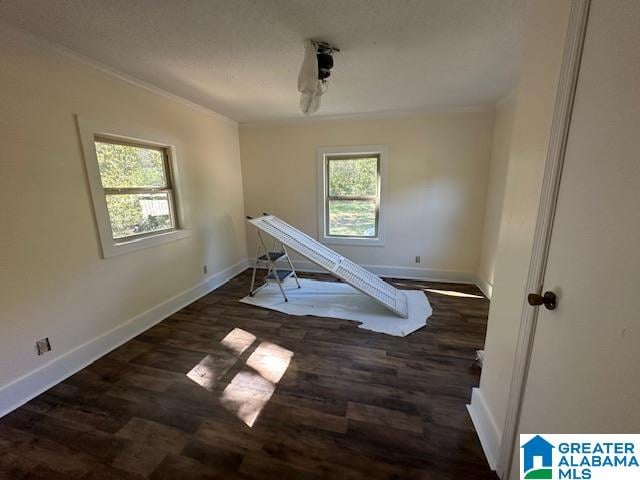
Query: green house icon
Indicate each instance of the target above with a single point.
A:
(538, 447)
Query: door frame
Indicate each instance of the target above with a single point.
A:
(563, 108)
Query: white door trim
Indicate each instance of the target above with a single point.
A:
(565, 95)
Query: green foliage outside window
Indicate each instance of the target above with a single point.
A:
(355, 182)
(353, 177)
(128, 166)
(352, 218)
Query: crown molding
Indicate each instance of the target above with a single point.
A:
(418, 112)
(10, 32)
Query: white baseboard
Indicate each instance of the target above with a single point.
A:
(23, 389)
(485, 427)
(408, 273)
(485, 287)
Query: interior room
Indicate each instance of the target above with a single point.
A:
(349, 239)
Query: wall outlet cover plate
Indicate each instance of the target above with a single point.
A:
(43, 346)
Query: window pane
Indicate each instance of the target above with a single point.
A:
(135, 214)
(352, 218)
(126, 166)
(356, 177)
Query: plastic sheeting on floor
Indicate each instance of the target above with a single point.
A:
(340, 300)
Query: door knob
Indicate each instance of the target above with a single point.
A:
(548, 300)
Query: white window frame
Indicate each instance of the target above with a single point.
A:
(90, 129)
(322, 154)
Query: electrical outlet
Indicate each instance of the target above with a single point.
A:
(43, 346)
(417, 258)
(204, 269)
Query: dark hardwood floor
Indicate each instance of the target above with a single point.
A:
(324, 399)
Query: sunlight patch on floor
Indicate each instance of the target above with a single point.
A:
(250, 391)
(246, 396)
(204, 374)
(270, 361)
(238, 340)
(251, 388)
(452, 293)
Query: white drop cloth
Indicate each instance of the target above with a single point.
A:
(340, 300)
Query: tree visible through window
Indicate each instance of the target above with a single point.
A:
(352, 195)
(137, 185)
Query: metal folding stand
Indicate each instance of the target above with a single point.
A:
(268, 259)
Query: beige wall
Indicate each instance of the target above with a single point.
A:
(53, 281)
(505, 112)
(436, 185)
(546, 28)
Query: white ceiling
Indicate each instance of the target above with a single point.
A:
(241, 57)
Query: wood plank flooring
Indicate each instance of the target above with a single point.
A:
(226, 390)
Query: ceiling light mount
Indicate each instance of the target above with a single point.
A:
(314, 72)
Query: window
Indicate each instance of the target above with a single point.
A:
(351, 185)
(352, 196)
(136, 180)
(132, 180)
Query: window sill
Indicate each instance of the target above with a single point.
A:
(120, 248)
(353, 241)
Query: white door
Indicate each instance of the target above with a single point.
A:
(584, 374)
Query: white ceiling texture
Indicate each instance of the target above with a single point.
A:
(241, 58)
